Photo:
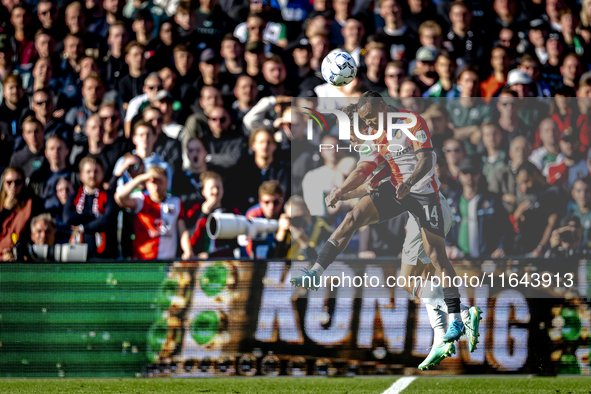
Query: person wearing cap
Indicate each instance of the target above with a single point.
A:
(254, 56)
(165, 103)
(426, 75)
(569, 165)
(210, 64)
(551, 69)
(500, 62)
(480, 225)
(152, 85)
(537, 35)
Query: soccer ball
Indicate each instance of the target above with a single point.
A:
(339, 68)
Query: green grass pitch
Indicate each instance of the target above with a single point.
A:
(423, 385)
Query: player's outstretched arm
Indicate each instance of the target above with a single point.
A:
(353, 181)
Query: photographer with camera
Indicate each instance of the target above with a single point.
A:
(203, 245)
(308, 233)
(43, 228)
(270, 205)
(566, 240)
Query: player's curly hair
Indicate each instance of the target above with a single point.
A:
(370, 97)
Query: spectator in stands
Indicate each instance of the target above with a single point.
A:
(203, 246)
(353, 34)
(245, 93)
(92, 212)
(56, 166)
(226, 145)
(581, 207)
(426, 75)
(531, 66)
(43, 108)
(113, 138)
(401, 42)
(187, 185)
(144, 137)
(152, 85)
(464, 40)
(445, 67)
(197, 124)
(260, 167)
(232, 51)
(164, 102)
(131, 85)
(509, 123)
(159, 221)
(393, 77)
(32, 156)
(567, 239)
(18, 205)
(480, 226)
(209, 66)
(13, 104)
(376, 59)
(93, 91)
(454, 154)
(21, 18)
(538, 210)
(48, 13)
(569, 165)
(551, 69)
(500, 62)
(115, 67)
(550, 149)
(168, 148)
(571, 69)
(275, 75)
(494, 158)
(270, 206)
(504, 181)
(537, 34)
(144, 27)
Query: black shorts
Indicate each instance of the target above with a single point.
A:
(426, 208)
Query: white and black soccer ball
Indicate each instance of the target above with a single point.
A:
(339, 68)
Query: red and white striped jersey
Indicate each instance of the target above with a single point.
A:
(155, 226)
(400, 155)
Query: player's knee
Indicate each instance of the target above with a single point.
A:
(349, 221)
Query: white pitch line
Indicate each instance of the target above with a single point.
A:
(400, 385)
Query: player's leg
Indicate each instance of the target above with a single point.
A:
(363, 213)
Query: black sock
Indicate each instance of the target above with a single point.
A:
(451, 296)
(328, 254)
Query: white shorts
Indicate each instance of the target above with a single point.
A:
(413, 248)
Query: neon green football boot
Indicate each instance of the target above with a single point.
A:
(473, 326)
(437, 355)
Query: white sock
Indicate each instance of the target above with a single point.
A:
(464, 313)
(318, 268)
(432, 296)
(438, 320)
(455, 316)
